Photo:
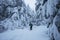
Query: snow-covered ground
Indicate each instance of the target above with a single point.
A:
(38, 33)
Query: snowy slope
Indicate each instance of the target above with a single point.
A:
(39, 33)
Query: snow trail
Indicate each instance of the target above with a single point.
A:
(38, 33)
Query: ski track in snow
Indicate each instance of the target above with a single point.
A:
(38, 33)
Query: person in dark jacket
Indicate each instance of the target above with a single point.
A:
(31, 25)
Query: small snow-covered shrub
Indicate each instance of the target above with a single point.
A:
(2, 28)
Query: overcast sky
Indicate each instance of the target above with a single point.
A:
(31, 3)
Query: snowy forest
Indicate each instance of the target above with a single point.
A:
(29, 19)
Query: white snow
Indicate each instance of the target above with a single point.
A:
(38, 33)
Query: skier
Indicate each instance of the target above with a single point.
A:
(31, 25)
